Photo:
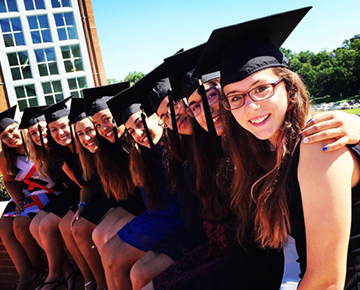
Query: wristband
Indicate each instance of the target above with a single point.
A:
(82, 204)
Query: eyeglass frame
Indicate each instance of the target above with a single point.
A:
(226, 104)
(10, 132)
(163, 123)
(191, 113)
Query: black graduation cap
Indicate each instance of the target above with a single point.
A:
(152, 89)
(56, 111)
(7, 118)
(31, 116)
(123, 105)
(240, 50)
(77, 110)
(96, 98)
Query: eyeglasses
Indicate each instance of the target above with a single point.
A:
(9, 133)
(195, 108)
(257, 94)
(165, 119)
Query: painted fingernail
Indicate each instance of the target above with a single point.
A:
(306, 140)
(308, 121)
(324, 149)
(300, 136)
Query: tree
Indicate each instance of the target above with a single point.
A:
(133, 77)
(112, 81)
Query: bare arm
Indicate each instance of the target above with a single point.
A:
(86, 196)
(345, 128)
(325, 182)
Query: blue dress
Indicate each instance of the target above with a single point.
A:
(148, 228)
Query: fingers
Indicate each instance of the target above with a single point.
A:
(337, 144)
(315, 135)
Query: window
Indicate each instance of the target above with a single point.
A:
(34, 4)
(12, 32)
(65, 24)
(19, 65)
(26, 96)
(52, 92)
(72, 58)
(46, 61)
(8, 6)
(39, 29)
(60, 3)
(76, 85)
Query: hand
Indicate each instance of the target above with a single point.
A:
(19, 207)
(76, 217)
(343, 127)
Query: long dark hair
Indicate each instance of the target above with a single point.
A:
(10, 155)
(56, 152)
(259, 191)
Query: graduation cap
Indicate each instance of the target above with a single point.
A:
(56, 111)
(77, 110)
(31, 116)
(240, 50)
(96, 98)
(7, 118)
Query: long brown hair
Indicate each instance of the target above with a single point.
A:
(10, 155)
(38, 155)
(259, 191)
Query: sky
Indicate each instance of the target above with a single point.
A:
(136, 35)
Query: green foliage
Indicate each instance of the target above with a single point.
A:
(3, 193)
(133, 77)
(112, 81)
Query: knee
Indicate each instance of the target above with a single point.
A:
(48, 226)
(97, 237)
(82, 229)
(111, 257)
(136, 276)
(64, 227)
(21, 227)
(34, 228)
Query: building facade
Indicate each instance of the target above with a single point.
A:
(49, 50)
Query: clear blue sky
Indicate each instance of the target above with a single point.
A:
(136, 35)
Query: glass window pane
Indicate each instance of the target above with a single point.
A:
(8, 40)
(26, 72)
(62, 34)
(29, 5)
(39, 4)
(30, 90)
(19, 38)
(46, 35)
(75, 50)
(5, 25)
(72, 84)
(59, 97)
(47, 88)
(43, 21)
(57, 86)
(69, 19)
(66, 3)
(20, 93)
(32, 22)
(22, 105)
(49, 100)
(55, 3)
(33, 102)
(72, 33)
(2, 6)
(40, 56)
(65, 52)
(76, 94)
(53, 68)
(68, 66)
(12, 5)
(82, 83)
(78, 65)
(16, 24)
(50, 54)
(23, 56)
(15, 72)
(59, 19)
(36, 36)
(43, 70)
(12, 59)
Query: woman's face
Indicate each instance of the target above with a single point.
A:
(264, 118)
(135, 128)
(86, 132)
(11, 136)
(103, 122)
(60, 131)
(182, 118)
(34, 133)
(195, 102)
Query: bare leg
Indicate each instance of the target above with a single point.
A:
(31, 247)
(53, 246)
(148, 267)
(121, 257)
(34, 226)
(149, 286)
(74, 251)
(82, 231)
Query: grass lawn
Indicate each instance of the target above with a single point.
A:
(353, 111)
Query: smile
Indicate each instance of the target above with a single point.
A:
(90, 144)
(63, 138)
(259, 120)
(109, 134)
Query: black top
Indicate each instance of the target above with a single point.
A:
(298, 225)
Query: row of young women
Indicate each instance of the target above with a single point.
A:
(200, 192)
